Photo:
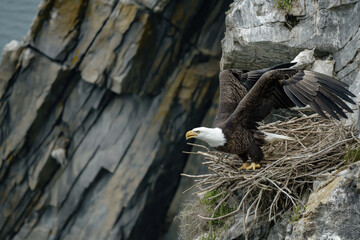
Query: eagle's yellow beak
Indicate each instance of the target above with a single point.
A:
(190, 134)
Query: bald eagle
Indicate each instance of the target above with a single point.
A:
(248, 97)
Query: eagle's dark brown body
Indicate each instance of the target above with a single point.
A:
(248, 97)
(239, 140)
(243, 142)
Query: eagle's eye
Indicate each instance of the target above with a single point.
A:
(197, 132)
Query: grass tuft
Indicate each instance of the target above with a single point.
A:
(284, 4)
(351, 154)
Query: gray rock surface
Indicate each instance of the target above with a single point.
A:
(257, 34)
(333, 209)
(257, 232)
(114, 85)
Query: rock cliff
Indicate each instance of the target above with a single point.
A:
(95, 102)
(333, 209)
(93, 109)
(259, 34)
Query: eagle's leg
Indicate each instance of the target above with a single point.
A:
(256, 155)
(253, 166)
(244, 157)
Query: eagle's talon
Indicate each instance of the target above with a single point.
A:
(244, 166)
(253, 166)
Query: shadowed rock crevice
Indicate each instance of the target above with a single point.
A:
(87, 198)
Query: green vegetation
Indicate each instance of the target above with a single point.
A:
(212, 204)
(211, 200)
(284, 4)
(351, 155)
(298, 212)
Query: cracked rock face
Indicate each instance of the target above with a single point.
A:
(258, 34)
(94, 105)
(333, 209)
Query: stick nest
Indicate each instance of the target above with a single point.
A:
(287, 172)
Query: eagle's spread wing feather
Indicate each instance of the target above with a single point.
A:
(289, 87)
(231, 93)
(320, 91)
(235, 84)
(250, 78)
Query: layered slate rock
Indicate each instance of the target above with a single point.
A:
(113, 85)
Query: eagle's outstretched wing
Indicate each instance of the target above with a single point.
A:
(249, 79)
(231, 93)
(289, 87)
(234, 85)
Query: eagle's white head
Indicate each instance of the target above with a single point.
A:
(213, 136)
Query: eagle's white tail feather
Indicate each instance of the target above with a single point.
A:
(272, 137)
